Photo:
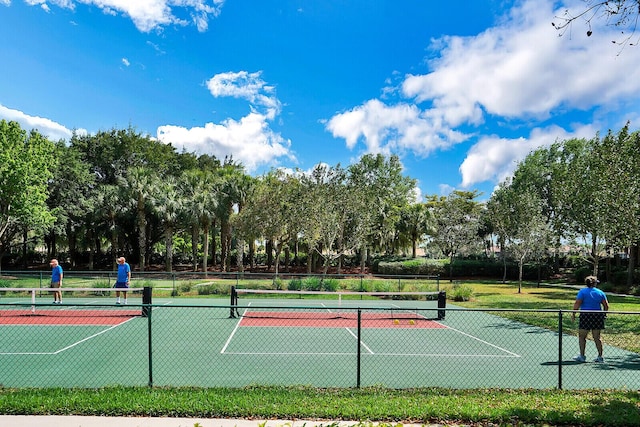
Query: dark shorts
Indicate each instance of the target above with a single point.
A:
(121, 285)
(55, 284)
(591, 321)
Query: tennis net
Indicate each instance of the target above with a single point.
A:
(347, 300)
(40, 300)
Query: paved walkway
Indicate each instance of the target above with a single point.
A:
(81, 421)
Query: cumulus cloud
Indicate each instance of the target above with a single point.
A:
(48, 128)
(494, 158)
(517, 72)
(249, 140)
(387, 129)
(148, 15)
(247, 86)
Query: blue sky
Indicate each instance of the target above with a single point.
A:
(461, 91)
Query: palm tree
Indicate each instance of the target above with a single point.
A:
(141, 185)
(169, 204)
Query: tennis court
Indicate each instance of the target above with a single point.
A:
(91, 342)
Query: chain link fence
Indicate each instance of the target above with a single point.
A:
(204, 345)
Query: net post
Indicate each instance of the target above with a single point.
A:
(146, 301)
(442, 303)
(234, 303)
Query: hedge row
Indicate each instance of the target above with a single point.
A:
(461, 268)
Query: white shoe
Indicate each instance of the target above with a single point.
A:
(598, 359)
(580, 358)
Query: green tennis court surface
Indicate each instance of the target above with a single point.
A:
(196, 342)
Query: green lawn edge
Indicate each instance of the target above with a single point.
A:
(423, 406)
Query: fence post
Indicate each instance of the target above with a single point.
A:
(560, 350)
(358, 352)
(150, 348)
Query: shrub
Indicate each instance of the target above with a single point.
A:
(330, 285)
(461, 292)
(186, 287)
(312, 284)
(295, 284)
(206, 290)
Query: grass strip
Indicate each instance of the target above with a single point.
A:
(425, 405)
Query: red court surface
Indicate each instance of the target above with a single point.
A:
(337, 320)
(66, 317)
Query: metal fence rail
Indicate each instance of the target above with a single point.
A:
(95, 345)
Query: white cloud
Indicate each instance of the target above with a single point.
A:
(248, 86)
(386, 129)
(494, 158)
(50, 129)
(519, 72)
(249, 140)
(148, 15)
(522, 68)
(125, 62)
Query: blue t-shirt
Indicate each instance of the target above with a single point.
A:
(56, 274)
(591, 298)
(123, 272)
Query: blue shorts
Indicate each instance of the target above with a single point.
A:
(121, 285)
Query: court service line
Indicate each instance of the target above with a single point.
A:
(91, 336)
(483, 341)
(361, 343)
(235, 329)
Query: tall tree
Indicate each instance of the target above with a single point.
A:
(27, 163)
(170, 206)
(456, 222)
(141, 185)
(518, 218)
(415, 221)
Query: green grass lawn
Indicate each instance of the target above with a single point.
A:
(432, 405)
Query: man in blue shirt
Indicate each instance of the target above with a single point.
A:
(56, 280)
(122, 282)
(593, 304)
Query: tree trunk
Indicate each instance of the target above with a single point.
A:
(633, 251)
(195, 236)
(240, 255)
(142, 237)
(205, 247)
(168, 242)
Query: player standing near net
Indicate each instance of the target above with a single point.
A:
(56, 280)
(590, 301)
(122, 282)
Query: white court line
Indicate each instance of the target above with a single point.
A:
(74, 344)
(361, 343)
(483, 341)
(226, 344)
(71, 345)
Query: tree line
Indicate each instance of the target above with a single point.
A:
(119, 192)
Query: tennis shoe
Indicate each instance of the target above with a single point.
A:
(580, 358)
(598, 359)
(117, 302)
